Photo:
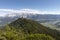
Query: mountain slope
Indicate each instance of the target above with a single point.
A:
(33, 27)
(24, 29)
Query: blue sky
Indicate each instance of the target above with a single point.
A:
(47, 6)
(33, 4)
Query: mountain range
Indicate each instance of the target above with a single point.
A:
(44, 19)
(29, 23)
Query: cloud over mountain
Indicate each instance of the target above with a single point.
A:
(11, 12)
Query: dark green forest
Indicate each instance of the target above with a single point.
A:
(26, 29)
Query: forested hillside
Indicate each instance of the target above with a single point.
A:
(26, 29)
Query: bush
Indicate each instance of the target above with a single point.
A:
(38, 37)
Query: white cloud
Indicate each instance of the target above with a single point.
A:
(3, 12)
